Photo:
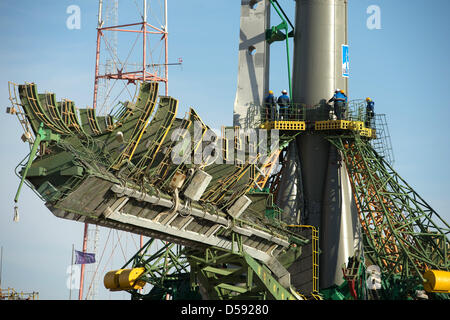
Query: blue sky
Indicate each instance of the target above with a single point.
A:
(404, 67)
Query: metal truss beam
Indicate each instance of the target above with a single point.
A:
(403, 234)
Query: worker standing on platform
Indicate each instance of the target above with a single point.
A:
(339, 100)
(270, 107)
(344, 108)
(370, 112)
(283, 102)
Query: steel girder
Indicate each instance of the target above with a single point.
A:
(403, 234)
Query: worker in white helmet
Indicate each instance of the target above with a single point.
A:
(284, 102)
(340, 99)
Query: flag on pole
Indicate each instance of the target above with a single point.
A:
(84, 257)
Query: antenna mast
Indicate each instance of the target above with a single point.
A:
(121, 69)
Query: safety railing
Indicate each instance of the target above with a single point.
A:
(314, 257)
(288, 112)
(11, 294)
(18, 109)
(354, 110)
(382, 144)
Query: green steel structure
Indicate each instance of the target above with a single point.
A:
(186, 273)
(223, 235)
(210, 200)
(402, 233)
(166, 269)
(275, 33)
(119, 173)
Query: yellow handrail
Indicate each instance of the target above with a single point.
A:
(315, 255)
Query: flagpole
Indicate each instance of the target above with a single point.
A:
(142, 244)
(80, 296)
(1, 266)
(71, 271)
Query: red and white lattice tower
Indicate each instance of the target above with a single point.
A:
(116, 80)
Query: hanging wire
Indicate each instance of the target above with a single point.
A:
(99, 262)
(120, 244)
(107, 96)
(138, 9)
(156, 16)
(112, 54)
(131, 50)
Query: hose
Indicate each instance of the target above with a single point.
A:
(173, 209)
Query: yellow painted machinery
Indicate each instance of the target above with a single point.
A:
(124, 279)
(436, 281)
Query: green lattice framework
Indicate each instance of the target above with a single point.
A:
(222, 274)
(73, 175)
(235, 275)
(166, 269)
(402, 233)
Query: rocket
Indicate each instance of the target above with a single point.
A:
(315, 188)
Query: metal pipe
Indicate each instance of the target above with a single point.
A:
(97, 52)
(97, 64)
(145, 11)
(144, 43)
(71, 271)
(1, 265)
(166, 44)
(283, 18)
(100, 9)
(33, 152)
(165, 17)
(80, 295)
